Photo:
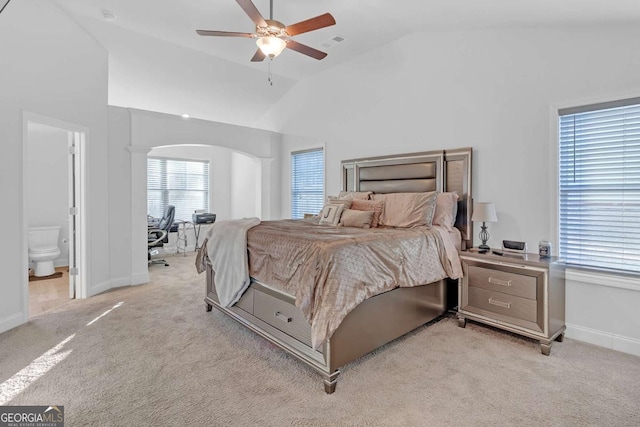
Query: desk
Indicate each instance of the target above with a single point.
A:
(180, 227)
(196, 232)
(182, 241)
(181, 238)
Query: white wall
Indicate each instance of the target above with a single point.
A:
(129, 149)
(48, 183)
(492, 90)
(50, 67)
(120, 197)
(246, 183)
(603, 310)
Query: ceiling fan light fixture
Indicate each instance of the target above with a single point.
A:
(271, 46)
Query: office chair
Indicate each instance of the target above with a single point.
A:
(158, 236)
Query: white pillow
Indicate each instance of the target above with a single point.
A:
(332, 200)
(331, 214)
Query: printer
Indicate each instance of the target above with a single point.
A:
(203, 218)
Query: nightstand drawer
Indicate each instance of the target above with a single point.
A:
(501, 303)
(502, 281)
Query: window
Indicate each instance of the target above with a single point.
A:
(181, 183)
(599, 178)
(307, 182)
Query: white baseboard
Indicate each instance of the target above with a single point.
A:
(604, 339)
(98, 289)
(120, 282)
(140, 278)
(12, 321)
(626, 345)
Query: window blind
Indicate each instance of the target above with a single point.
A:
(307, 182)
(599, 194)
(181, 183)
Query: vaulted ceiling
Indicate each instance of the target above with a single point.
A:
(159, 63)
(363, 24)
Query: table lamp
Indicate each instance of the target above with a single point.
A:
(485, 212)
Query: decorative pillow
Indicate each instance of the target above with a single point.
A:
(354, 218)
(337, 201)
(407, 209)
(355, 195)
(446, 210)
(369, 205)
(330, 214)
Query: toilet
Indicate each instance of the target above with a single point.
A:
(43, 249)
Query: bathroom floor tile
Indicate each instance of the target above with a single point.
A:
(49, 293)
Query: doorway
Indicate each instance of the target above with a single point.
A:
(54, 201)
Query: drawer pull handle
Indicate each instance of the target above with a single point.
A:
(499, 282)
(282, 317)
(499, 303)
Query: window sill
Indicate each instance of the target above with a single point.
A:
(603, 279)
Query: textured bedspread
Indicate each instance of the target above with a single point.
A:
(330, 270)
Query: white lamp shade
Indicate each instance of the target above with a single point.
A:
(271, 46)
(484, 212)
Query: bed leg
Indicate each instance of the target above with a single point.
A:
(462, 322)
(330, 382)
(545, 348)
(209, 307)
(330, 386)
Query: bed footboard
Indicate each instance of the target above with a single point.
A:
(373, 323)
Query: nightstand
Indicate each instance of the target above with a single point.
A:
(523, 294)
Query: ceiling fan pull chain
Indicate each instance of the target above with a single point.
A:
(270, 79)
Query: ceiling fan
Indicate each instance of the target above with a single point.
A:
(273, 36)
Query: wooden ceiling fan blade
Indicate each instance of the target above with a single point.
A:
(318, 22)
(258, 56)
(306, 50)
(251, 10)
(224, 33)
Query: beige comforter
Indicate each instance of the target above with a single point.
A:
(330, 270)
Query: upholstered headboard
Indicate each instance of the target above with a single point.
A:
(444, 170)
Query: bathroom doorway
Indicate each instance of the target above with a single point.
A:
(54, 201)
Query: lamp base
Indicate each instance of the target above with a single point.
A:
(484, 236)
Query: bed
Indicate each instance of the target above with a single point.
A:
(270, 310)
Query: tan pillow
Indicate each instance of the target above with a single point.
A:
(407, 209)
(337, 201)
(369, 205)
(330, 214)
(446, 210)
(354, 218)
(355, 195)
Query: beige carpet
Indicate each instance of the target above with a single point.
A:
(160, 359)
